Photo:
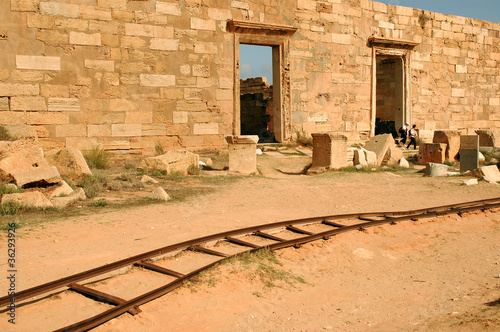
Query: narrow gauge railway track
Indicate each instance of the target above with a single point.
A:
(299, 232)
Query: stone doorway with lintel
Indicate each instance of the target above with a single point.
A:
(391, 83)
(277, 37)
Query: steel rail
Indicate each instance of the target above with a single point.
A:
(64, 282)
(388, 217)
(114, 312)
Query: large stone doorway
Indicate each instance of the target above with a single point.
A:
(391, 85)
(390, 95)
(256, 92)
(276, 37)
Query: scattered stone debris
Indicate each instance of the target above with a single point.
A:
(62, 201)
(435, 169)
(24, 164)
(62, 189)
(488, 173)
(403, 163)
(160, 194)
(470, 182)
(148, 179)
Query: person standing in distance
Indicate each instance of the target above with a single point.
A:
(413, 137)
(403, 131)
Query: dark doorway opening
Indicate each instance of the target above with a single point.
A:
(390, 95)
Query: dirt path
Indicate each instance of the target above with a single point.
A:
(419, 276)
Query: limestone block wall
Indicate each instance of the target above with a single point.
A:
(126, 74)
(255, 105)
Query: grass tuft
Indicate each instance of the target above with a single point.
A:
(93, 184)
(10, 208)
(97, 158)
(159, 149)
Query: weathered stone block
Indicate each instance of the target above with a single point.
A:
(435, 169)
(92, 13)
(431, 153)
(61, 189)
(164, 44)
(38, 62)
(7, 117)
(385, 148)
(24, 5)
(329, 152)
(63, 105)
(82, 38)
(71, 130)
(488, 173)
(38, 176)
(205, 128)
(32, 198)
(28, 104)
(59, 9)
(46, 118)
(172, 161)
(201, 24)
(157, 80)
(158, 129)
(70, 163)
(122, 130)
(242, 153)
(168, 8)
(133, 29)
(360, 157)
(7, 89)
(101, 65)
(76, 195)
(160, 194)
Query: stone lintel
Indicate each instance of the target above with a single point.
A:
(391, 43)
(261, 28)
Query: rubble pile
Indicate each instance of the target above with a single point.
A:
(24, 165)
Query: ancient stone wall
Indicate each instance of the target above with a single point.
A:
(126, 74)
(255, 105)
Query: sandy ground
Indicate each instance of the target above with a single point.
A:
(430, 275)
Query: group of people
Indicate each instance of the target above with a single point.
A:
(404, 131)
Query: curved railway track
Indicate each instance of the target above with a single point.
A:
(292, 233)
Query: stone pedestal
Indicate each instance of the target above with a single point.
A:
(329, 152)
(431, 153)
(242, 153)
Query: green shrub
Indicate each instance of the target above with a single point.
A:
(193, 170)
(99, 203)
(97, 158)
(130, 165)
(4, 189)
(93, 184)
